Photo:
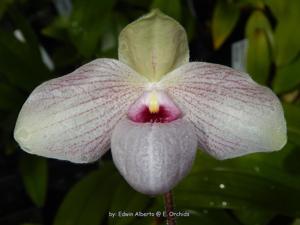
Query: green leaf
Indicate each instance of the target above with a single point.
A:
(57, 29)
(23, 25)
(109, 42)
(292, 117)
(87, 23)
(296, 222)
(254, 216)
(138, 3)
(128, 200)
(255, 4)
(258, 30)
(144, 221)
(35, 177)
(287, 77)
(10, 98)
(287, 35)
(88, 201)
(207, 217)
(278, 7)
(19, 64)
(225, 17)
(65, 56)
(4, 4)
(258, 21)
(190, 26)
(170, 7)
(250, 182)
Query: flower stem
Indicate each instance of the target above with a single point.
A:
(169, 206)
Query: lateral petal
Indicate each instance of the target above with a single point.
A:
(71, 117)
(232, 114)
(153, 157)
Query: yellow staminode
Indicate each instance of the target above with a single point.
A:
(153, 103)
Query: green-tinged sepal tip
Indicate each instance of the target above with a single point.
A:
(154, 45)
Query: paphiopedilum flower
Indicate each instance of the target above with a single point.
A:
(153, 108)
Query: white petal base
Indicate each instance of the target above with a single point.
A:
(153, 157)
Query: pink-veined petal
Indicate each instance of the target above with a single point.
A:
(71, 117)
(232, 114)
(153, 157)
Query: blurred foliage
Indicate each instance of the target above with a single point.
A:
(259, 36)
(224, 19)
(42, 39)
(34, 173)
(272, 34)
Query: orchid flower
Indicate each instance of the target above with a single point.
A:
(153, 109)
